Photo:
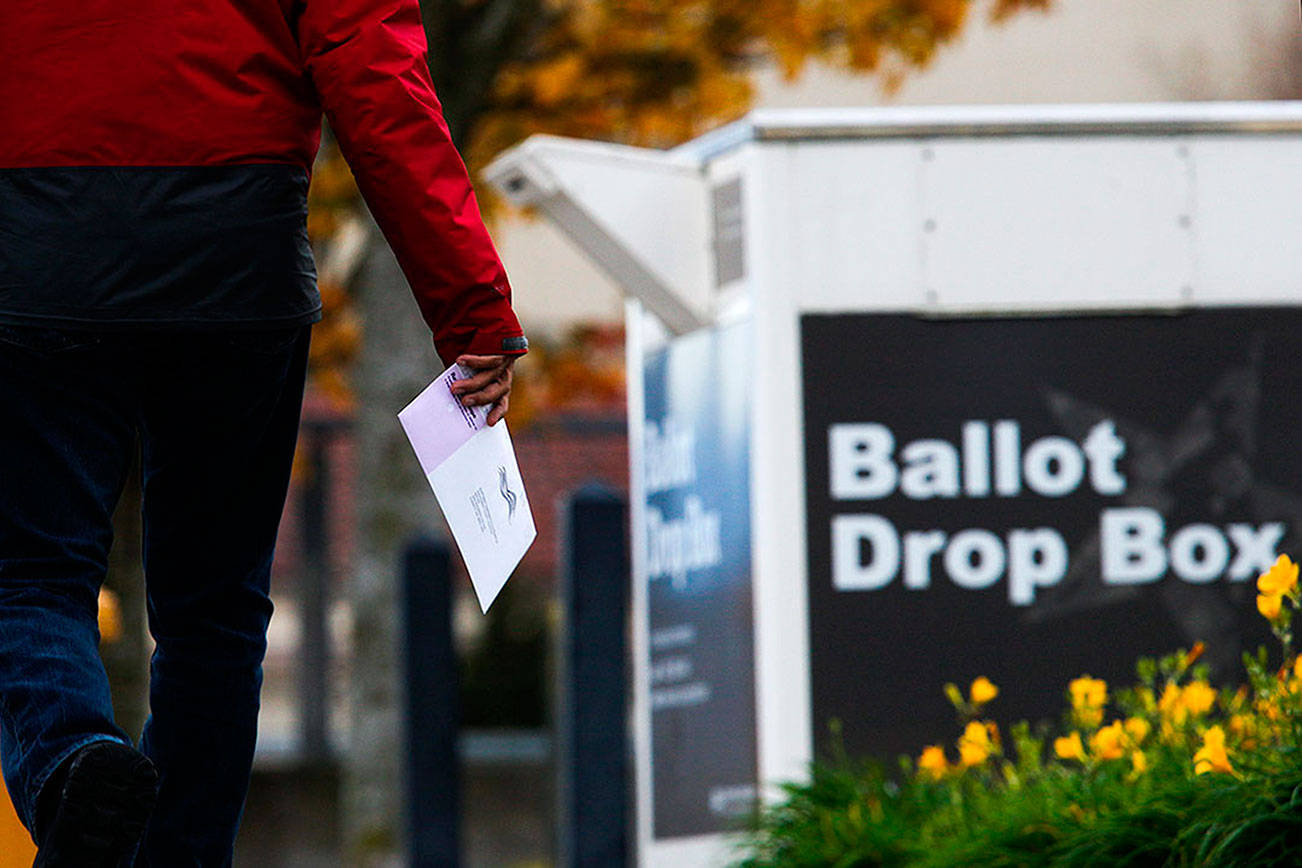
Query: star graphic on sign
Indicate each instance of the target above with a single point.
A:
(1202, 471)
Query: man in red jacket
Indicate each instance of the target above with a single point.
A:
(156, 283)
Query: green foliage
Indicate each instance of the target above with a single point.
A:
(855, 816)
(1096, 808)
(847, 815)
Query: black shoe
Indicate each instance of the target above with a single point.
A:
(105, 797)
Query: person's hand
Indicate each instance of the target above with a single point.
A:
(490, 384)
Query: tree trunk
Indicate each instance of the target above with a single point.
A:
(393, 503)
(393, 499)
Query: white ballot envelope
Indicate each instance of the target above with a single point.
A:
(474, 474)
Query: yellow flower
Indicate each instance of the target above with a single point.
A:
(1138, 762)
(1138, 729)
(972, 754)
(1297, 667)
(1069, 747)
(1109, 742)
(1088, 692)
(933, 762)
(977, 733)
(1171, 705)
(1198, 697)
(1270, 606)
(1279, 579)
(1088, 696)
(974, 746)
(983, 690)
(1211, 757)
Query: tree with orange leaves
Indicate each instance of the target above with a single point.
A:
(642, 72)
(658, 72)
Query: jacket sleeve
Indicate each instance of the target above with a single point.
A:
(367, 61)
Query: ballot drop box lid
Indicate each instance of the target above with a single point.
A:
(917, 395)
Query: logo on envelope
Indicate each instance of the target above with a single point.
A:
(508, 495)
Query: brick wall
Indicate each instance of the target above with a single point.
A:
(557, 452)
(556, 457)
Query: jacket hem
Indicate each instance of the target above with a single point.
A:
(111, 323)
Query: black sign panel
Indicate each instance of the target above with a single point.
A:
(1034, 499)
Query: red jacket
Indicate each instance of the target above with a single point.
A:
(155, 116)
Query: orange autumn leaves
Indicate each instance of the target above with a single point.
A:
(643, 72)
(658, 72)
(333, 201)
(109, 616)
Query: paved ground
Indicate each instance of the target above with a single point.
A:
(291, 819)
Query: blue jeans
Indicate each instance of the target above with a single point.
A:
(217, 417)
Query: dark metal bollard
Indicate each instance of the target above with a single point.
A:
(314, 598)
(433, 706)
(591, 720)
